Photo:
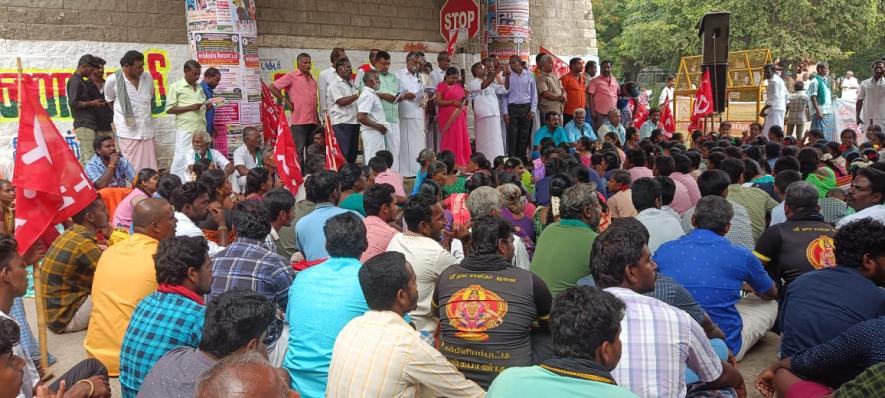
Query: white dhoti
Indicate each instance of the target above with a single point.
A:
(183, 143)
(489, 137)
(373, 141)
(412, 141)
(141, 154)
(391, 140)
(774, 118)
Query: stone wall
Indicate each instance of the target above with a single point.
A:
(564, 27)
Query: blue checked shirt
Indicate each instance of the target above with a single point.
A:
(123, 177)
(247, 264)
(161, 322)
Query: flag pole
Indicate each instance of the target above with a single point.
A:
(38, 293)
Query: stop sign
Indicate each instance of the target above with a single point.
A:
(458, 15)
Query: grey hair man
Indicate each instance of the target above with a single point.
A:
(551, 97)
(487, 201)
(715, 266)
(244, 375)
(562, 255)
(801, 244)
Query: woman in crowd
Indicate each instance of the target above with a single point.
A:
(479, 164)
(513, 209)
(258, 182)
(353, 183)
(452, 117)
(144, 186)
(425, 157)
(546, 215)
(7, 207)
(451, 181)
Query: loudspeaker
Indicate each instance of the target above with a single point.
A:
(713, 27)
(718, 81)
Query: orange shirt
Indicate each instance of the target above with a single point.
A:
(575, 92)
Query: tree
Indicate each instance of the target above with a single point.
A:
(639, 33)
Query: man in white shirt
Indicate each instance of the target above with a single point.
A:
(187, 101)
(326, 77)
(132, 110)
(191, 202)
(246, 157)
(411, 115)
(378, 354)
(424, 224)
(341, 98)
(667, 93)
(871, 100)
(775, 99)
(866, 196)
(371, 115)
(438, 75)
(849, 86)
(487, 125)
(662, 226)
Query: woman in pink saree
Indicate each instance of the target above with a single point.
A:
(452, 117)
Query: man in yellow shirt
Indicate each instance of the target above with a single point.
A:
(124, 275)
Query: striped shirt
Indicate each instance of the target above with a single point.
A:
(741, 231)
(379, 355)
(659, 342)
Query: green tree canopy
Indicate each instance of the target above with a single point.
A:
(639, 33)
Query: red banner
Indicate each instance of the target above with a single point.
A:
(334, 158)
(560, 68)
(640, 113)
(49, 182)
(285, 154)
(703, 102)
(667, 119)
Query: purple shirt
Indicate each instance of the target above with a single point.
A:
(525, 229)
(522, 90)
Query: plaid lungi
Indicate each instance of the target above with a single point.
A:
(826, 124)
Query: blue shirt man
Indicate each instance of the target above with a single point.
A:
(123, 176)
(574, 132)
(309, 230)
(316, 316)
(210, 113)
(713, 270)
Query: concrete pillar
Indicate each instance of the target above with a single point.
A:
(563, 27)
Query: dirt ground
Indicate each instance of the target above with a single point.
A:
(68, 348)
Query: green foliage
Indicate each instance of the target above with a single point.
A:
(639, 33)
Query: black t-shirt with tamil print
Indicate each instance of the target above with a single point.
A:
(486, 309)
(803, 243)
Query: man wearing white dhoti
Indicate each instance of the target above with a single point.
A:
(487, 114)
(775, 99)
(411, 115)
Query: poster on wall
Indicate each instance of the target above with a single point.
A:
(507, 28)
(222, 34)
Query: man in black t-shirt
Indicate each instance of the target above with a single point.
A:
(801, 244)
(487, 307)
(83, 106)
(104, 115)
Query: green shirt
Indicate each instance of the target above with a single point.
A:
(562, 255)
(389, 85)
(535, 381)
(757, 202)
(182, 94)
(353, 202)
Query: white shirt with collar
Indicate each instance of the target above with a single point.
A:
(662, 227)
(872, 93)
(776, 94)
(340, 88)
(186, 227)
(370, 103)
(849, 88)
(141, 99)
(437, 76)
(876, 212)
(410, 83)
(326, 77)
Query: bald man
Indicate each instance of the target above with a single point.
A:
(125, 274)
(245, 375)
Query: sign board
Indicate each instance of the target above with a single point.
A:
(459, 15)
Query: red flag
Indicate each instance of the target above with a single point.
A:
(334, 158)
(49, 182)
(271, 112)
(703, 102)
(640, 113)
(450, 45)
(286, 157)
(667, 119)
(560, 68)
